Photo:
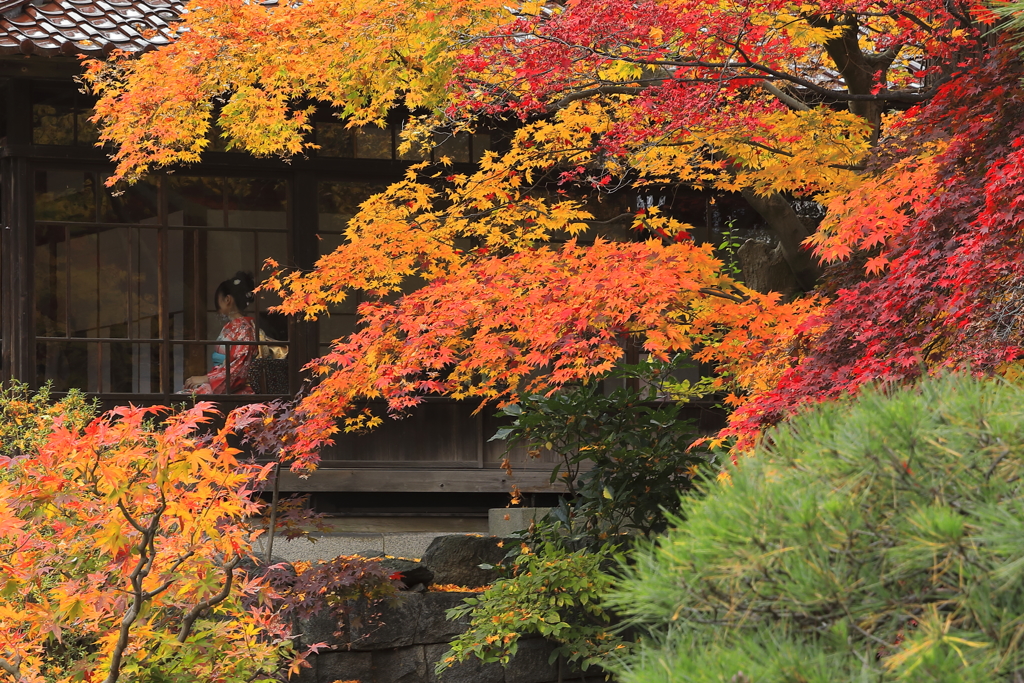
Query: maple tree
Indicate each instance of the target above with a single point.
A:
(707, 94)
(940, 241)
(902, 119)
(120, 546)
(772, 99)
(126, 550)
(537, 319)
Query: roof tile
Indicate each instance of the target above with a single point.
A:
(51, 9)
(101, 22)
(85, 26)
(63, 21)
(115, 36)
(74, 33)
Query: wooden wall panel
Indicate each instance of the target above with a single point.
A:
(442, 432)
(419, 480)
(494, 451)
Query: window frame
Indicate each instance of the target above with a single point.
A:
(166, 340)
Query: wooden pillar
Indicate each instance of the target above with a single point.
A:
(17, 276)
(304, 250)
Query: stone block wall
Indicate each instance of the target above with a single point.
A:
(401, 642)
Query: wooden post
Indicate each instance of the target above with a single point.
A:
(17, 270)
(273, 513)
(303, 251)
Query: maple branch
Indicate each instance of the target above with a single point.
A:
(190, 618)
(599, 90)
(786, 99)
(740, 299)
(14, 551)
(13, 667)
(128, 516)
(961, 16)
(167, 584)
(845, 96)
(142, 568)
(748, 64)
(883, 96)
(613, 219)
(126, 624)
(783, 153)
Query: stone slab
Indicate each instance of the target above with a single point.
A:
(344, 666)
(507, 521)
(530, 663)
(321, 628)
(456, 559)
(470, 671)
(434, 626)
(401, 665)
(391, 624)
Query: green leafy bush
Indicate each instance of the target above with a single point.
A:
(623, 456)
(554, 593)
(624, 459)
(875, 539)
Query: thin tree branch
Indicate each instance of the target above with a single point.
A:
(142, 569)
(128, 516)
(599, 90)
(114, 670)
(195, 612)
(749, 65)
(167, 584)
(773, 150)
(788, 100)
(724, 295)
(273, 512)
(13, 667)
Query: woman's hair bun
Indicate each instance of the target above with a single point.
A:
(240, 287)
(245, 280)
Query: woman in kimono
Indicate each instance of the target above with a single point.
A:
(232, 297)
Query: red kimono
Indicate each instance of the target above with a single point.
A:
(238, 359)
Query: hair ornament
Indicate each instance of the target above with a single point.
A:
(237, 281)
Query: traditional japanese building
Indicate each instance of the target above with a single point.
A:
(112, 293)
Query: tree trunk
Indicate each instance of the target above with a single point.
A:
(791, 232)
(765, 269)
(860, 72)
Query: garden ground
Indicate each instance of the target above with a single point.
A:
(398, 536)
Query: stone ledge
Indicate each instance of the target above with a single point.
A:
(518, 519)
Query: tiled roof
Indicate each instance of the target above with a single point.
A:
(91, 27)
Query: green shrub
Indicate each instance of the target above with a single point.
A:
(634, 445)
(554, 593)
(623, 456)
(875, 539)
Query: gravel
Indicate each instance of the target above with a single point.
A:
(329, 546)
